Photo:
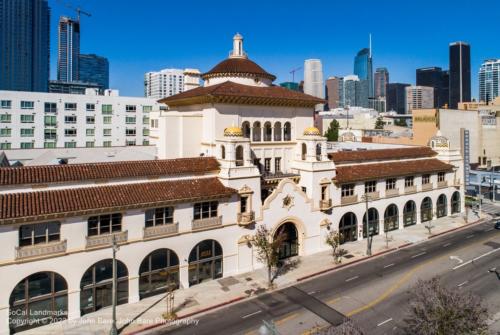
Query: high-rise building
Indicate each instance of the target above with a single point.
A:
(313, 78)
(94, 69)
(438, 79)
(363, 68)
(419, 97)
(290, 85)
(489, 79)
(69, 49)
(24, 45)
(168, 82)
(381, 79)
(350, 90)
(395, 97)
(333, 91)
(460, 89)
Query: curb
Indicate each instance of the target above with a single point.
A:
(156, 325)
(457, 228)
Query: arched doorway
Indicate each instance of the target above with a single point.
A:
(96, 286)
(205, 262)
(158, 271)
(410, 213)
(37, 300)
(348, 228)
(290, 245)
(372, 222)
(455, 202)
(426, 210)
(441, 206)
(391, 218)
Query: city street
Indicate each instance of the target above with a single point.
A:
(373, 293)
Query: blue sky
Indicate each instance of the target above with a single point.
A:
(140, 36)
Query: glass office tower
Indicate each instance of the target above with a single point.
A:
(363, 68)
(94, 69)
(460, 89)
(69, 49)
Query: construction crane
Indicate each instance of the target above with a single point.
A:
(78, 10)
(293, 72)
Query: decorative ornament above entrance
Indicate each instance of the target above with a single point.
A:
(288, 202)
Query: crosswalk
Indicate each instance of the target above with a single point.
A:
(491, 208)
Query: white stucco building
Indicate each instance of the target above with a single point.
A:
(168, 82)
(192, 218)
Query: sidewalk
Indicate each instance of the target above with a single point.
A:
(147, 313)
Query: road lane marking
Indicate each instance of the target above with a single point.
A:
(384, 322)
(462, 284)
(420, 254)
(352, 278)
(475, 259)
(388, 265)
(490, 229)
(457, 259)
(469, 236)
(312, 292)
(251, 314)
(286, 318)
(446, 245)
(334, 300)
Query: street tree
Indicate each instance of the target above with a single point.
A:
(332, 133)
(436, 310)
(348, 327)
(268, 249)
(379, 123)
(333, 239)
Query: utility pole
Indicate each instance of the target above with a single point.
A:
(114, 330)
(369, 237)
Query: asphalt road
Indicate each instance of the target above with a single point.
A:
(374, 293)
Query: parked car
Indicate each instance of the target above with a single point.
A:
(497, 224)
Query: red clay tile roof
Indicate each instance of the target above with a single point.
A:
(231, 92)
(342, 157)
(87, 200)
(111, 170)
(238, 66)
(362, 172)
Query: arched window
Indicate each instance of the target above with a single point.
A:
(268, 132)
(37, 300)
(410, 213)
(245, 127)
(303, 151)
(277, 131)
(158, 271)
(391, 218)
(372, 222)
(222, 152)
(318, 152)
(290, 245)
(256, 132)
(455, 202)
(96, 286)
(239, 155)
(426, 210)
(205, 262)
(287, 132)
(348, 227)
(441, 206)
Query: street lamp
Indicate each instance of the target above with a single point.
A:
(369, 237)
(114, 330)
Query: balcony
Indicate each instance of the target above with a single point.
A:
(106, 240)
(161, 230)
(392, 192)
(373, 195)
(207, 223)
(245, 219)
(349, 200)
(39, 250)
(325, 205)
(427, 187)
(410, 189)
(442, 184)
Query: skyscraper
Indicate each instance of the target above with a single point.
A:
(363, 68)
(313, 78)
(489, 80)
(418, 97)
(24, 45)
(69, 49)
(381, 79)
(459, 73)
(168, 82)
(93, 69)
(333, 96)
(395, 95)
(438, 79)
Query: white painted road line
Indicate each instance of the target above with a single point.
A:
(251, 314)
(446, 245)
(469, 236)
(420, 254)
(388, 265)
(352, 278)
(490, 229)
(384, 322)
(475, 259)
(312, 292)
(462, 284)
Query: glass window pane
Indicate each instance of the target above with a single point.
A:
(205, 249)
(159, 259)
(59, 283)
(105, 221)
(39, 284)
(103, 271)
(18, 292)
(149, 217)
(60, 308)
